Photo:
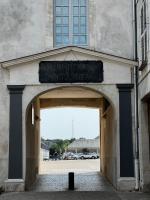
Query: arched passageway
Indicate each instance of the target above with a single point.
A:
(74, 97)
(114, 101)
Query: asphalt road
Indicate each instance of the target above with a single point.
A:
(75, 196)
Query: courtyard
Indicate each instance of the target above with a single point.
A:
(65, 166)
(53, 176)
(52, 183)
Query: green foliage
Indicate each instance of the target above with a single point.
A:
(60, 146)
(72, 140)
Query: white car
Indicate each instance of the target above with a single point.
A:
(88, 156)
(70, 156)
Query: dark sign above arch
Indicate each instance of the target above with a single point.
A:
(71, 72)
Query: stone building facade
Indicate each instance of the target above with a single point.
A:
(73, 53)
(143, 55)
(87, 145)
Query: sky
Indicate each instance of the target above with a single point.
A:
(65, 123)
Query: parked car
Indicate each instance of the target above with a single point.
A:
(73, 156)
(88, 156)
(76, 156)
(70, 156)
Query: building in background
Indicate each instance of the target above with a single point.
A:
(81, 145)
(44, 151)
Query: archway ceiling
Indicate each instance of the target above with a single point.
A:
(71, 96)
(75, 102)
(70, 92)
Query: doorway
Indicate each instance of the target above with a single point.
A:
(72, 97)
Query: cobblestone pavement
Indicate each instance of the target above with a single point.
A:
(91, 181)
(89, 185)
(54, 176)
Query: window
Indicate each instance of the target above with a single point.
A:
(70, 22)
(143, 34)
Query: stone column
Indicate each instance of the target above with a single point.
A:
(125, 122)
(15, 173)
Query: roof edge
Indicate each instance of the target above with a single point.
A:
(56, 51)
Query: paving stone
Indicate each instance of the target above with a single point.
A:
(55, 182)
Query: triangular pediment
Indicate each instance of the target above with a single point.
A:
(68, 53)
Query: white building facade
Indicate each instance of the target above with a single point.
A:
(143, 54)
(72, 53)
(87, 145)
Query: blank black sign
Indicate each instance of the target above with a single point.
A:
(70, 72)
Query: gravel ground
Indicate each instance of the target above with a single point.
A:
(64, 166)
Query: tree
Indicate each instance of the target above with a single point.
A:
(60, 146)
(65, 145)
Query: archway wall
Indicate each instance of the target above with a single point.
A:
(32, 142)
(108, 142)
(4, 125)
(111, 159)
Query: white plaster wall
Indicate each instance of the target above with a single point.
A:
(27, 27)
(111, 26)
(108, 146)
(33, 144)
(28, 73)
(4, 125)
(144, 89)
(144, 147)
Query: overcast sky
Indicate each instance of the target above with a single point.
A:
(65, 123)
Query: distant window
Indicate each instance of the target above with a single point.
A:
(143, 34)
(70, 22)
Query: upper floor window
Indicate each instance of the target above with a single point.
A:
(70, 22)
(143, 34)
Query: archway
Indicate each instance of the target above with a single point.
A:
(71, 96)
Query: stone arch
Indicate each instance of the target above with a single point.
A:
(117, 156)
(105, 92)
(99, 90)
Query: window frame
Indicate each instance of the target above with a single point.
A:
(143, 34)
(71, 34)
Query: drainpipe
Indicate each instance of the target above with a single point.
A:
(137, 164)
(136, 70)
